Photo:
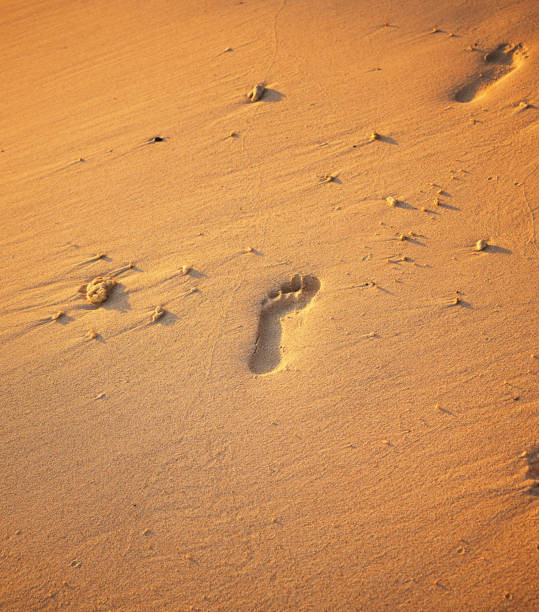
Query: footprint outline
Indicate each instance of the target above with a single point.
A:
(293, 296)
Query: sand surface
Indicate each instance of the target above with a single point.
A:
(297, 395)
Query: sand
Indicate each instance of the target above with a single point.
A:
(216, 435)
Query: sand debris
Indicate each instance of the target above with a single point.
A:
(186, 269)
(328, 178)
(57, 315)
(256, 93)
(91, 334)
(98, 290)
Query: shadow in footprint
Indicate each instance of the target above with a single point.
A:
(292, 296)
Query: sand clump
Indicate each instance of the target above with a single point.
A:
(98, 290)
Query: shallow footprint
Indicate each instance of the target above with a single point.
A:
(497, 64)
(293, 296)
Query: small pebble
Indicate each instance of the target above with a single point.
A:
(157, 313)
(480, 245)
(256, 93)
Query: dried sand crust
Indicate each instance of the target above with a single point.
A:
(98, 290)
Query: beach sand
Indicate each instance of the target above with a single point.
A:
(299, 383)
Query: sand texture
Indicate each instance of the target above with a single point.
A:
(269, 305)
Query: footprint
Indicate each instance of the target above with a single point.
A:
(293, 295)
(497, 64)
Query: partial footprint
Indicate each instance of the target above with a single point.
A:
(532, 459)
(293, 296)
(498, 64)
